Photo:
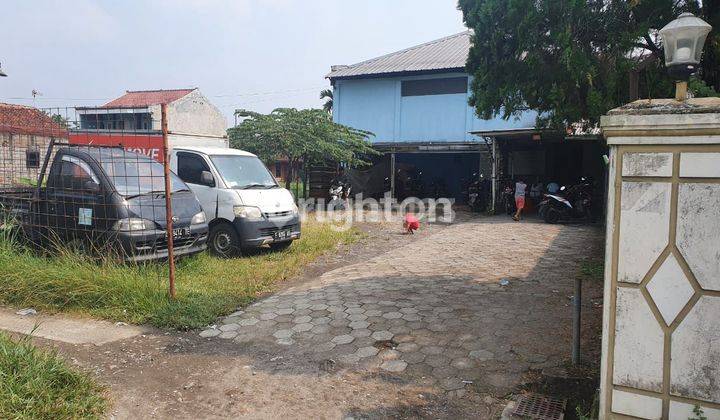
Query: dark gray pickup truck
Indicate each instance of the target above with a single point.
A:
(107, 198)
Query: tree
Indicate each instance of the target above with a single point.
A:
(570, 60)
(307, 135)
(327, 94)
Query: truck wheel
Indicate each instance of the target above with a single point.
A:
(280, 246)
(552, 216)
(224, 241)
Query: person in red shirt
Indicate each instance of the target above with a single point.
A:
(411, 224)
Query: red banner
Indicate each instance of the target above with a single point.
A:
(145, 144)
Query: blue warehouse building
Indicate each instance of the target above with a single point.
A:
(415, 101)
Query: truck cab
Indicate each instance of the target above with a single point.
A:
(245, 206)
(109, 198)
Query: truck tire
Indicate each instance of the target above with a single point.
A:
(224, 241)
(280, 246)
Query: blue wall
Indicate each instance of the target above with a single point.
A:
(376, 105)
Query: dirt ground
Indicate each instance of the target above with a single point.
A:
(170, 374)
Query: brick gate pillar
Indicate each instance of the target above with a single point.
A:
(661, 322)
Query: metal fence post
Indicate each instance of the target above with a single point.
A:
(577, 305)
(168, 200)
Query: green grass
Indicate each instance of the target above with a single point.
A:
(36, 384)
(593, 269)
(207, 287)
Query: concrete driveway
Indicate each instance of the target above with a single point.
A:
(433, 312)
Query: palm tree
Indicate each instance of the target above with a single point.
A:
(327, 94)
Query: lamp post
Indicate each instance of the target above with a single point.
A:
(683, 41)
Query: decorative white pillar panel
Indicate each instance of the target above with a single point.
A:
(661, 324)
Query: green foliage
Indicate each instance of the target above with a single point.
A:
(327, 94)
(569, 59)
(699, 414)
(36, 384)
(207, 287)
(700, 89)
(307, 135)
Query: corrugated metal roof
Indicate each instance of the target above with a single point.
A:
(442, 54)
(144, 98)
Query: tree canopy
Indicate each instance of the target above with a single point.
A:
(307, 135)
(571, 60)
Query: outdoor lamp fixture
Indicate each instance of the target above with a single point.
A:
(2, 73)
(683, 41)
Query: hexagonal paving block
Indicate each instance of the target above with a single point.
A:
(408, 347)
(357, 317)
(320, 329)
(319, 307)
(413, 357)
(248, 322)
(268, 316)
(411, 317)
(324, 346)
(392, 315)
(361, 333)
(228, 334)
(354, 310)
(302, 327)
(462, 363)
(283, 333)
(343, 339)
(394, 365)
(482, 355)
(432, 349)
(302, 319)
(437, 360)
(285, 341)
(373, 312)
(359, 325)
(211, 332)
(382, 335)
(366, 351)
(284, 311)
(229, 327)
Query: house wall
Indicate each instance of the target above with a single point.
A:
(14, 171)
(192, 114)
(377, 105)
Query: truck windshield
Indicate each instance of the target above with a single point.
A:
(243, 172)
(137, 177)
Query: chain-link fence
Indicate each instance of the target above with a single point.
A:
(95, 180)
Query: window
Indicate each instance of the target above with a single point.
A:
(190, 166)
(445, 86)
(75, 173)
(278, 170)
(32, 158)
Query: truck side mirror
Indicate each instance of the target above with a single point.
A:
(206, 178)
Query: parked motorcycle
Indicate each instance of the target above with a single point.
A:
(570, 203)
(339, 192)
(508, 199)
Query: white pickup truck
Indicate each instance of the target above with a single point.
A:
(244, 204)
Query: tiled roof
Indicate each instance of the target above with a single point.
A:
(20, 119)
(144, 98)
(442, 54)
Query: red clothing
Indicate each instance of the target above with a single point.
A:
(520, 202)
(411, 222)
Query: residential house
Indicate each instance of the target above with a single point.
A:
(25, 134)
(415, 101)
(134, 120)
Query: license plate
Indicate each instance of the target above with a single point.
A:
(282, 234)
(180, 232)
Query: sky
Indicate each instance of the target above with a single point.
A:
(251, 54)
